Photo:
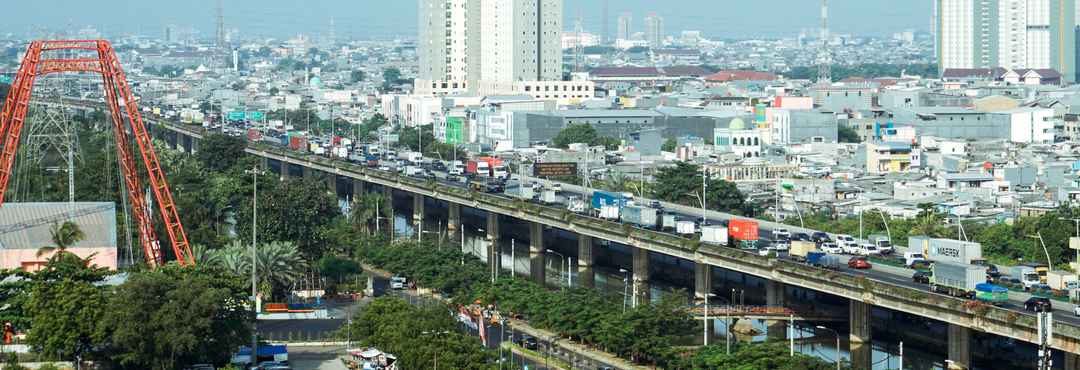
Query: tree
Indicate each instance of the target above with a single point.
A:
(669, 145)
(682, 184)
(576, 133)
(274, 91)
(63, 237)
(174, 317)
(846, 134)
(66, 308)
(220, 153)
(278, 264)
(770, 355)
(294, 211)
(364, 211)
(391, 77)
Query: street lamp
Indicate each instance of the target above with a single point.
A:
(561, 258)
(837, 344)
(1038, 235)
(255, 172)
(436, 334)
(626, 286)
(705, 336)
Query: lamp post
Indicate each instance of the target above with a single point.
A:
(561, 260)
(255, 172)
(837, 344)
(1038, 235)
(626, 286)
(436, 334)
(705, 335)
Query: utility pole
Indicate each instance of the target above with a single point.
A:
(255, 172)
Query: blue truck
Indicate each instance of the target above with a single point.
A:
(822, 259)
(602, 198)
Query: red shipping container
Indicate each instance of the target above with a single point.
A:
(298, 143)
(336, 140)
(743, 229)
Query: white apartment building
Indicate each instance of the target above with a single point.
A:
(466, 43)
(654, 30)
(626, 22)
(1014, 34)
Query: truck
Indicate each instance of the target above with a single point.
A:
(456, 168)
(745, 231)
(549, 196)
(956, 279)
(414, 171)
(601, 198)
(525, 192)
(992, 294)
(882, 242)
(575, 204)
(714, 234)
(800, 248)
(1025, 275)
(823, 260)
(668, 221)
(685, 227)
(486, 185)
(1061, 280)
(640, 216)
(487, 167)
(947, 250)
(411, 157)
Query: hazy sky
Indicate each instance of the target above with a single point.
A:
(390, 18)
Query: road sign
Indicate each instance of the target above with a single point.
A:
(552, 169)
(455, 129)
(236, 116)
(255, 116)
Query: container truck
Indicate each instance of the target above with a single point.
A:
(947, 250)
(992, 294)
(1061, 280)
(744, 231)
(488, 167)
(1025, 275)
(298, 143)
(640, 216)
(411, 157)
(956, 279)
(823, 260)
(549, 196)
(478, 169)
(685, 227)
(575, 204)
(601, 198)
(456, 168)
(799, 249)
(668, 221)
(714, 234)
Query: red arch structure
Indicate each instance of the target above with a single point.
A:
(98, 56)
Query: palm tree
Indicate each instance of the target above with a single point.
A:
(364, 211)
(63, 236)
(279, 264)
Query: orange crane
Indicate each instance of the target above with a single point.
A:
(98, 56)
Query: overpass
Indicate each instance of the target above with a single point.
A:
(962, 316)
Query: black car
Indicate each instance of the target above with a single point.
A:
(527, 342)
(921, 277)
(820, 237)
(802, 237)
(1037, 304)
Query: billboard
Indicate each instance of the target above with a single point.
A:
(455, 130)
(552, 169)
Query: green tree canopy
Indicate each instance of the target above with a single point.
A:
(220, 153)
(846, 134)
(294, 211)
(682, 184)
(576, 133)
(669, 145)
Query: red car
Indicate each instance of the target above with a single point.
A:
(858, 263)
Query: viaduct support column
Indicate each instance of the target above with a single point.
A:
(418, 214)
(453, 219)
(388, 192)
(492, 229)
(537, 267)
(702, 288)
(194, 146)
(586, 275)
(284, 173)
(307, 172)
(331, 183)
(774, 297)
(860, 335)
(959, 347)
(359, 189)
(1072, 361)
(641, 277)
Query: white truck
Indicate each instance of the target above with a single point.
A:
(1062, 280)
(714, 234)
(411, 157)
(456, 168)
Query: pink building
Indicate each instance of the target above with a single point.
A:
(24, 229)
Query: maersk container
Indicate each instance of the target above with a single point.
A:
(947, 250)
(956, 279)
(601, 198)
(640, 216)
(714, 234)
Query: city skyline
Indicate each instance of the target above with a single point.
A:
(282, 19)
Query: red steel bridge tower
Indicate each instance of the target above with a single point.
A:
(98, 56)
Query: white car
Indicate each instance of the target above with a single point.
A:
(866, 249)
(831, 248)
(847, 243)
(782, 234)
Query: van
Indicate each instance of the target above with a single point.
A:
(910, 258)
(866, 249)
(847, 243)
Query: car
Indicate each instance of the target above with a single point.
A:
(397, 282)
(656, 204)
(831, 248)
(820, 237)
(865, 249)
(921, 277)
(858, 263)
(1037, 304)
(921, 264)
(528, 342)
(1076, 310)
(782, 234)
(782, 245)
(804, 237)
(847, 242)
(765, 251)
